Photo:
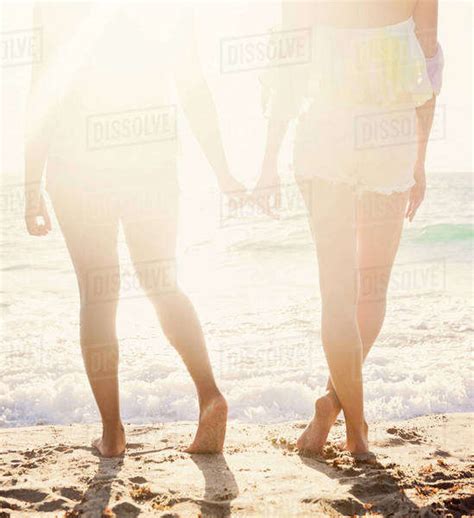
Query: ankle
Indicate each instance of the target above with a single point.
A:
(358, 432)
(331, 394)
(113, 427)
(328, 403)
(209, 396)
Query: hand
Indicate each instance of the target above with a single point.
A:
(417, 192)
(236, 194)
(38, 222)
(231, 187)
(268, 187)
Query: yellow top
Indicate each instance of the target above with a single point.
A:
(383, 66)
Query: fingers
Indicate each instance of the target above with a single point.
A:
(409, 207)
(45, 216)
(38, 225)
(239, 196)
(34, 228)
(237, 190)
(37, 220)
(268, 200)
(417, 195)
(414, 210)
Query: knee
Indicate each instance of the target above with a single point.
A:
(339, 326)
(168, 306)
(100, 288)
(175, 313)
(339, 298)
(340, 333)
(157, 278)
(373, 285)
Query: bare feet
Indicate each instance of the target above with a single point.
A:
(112, 443)
(314, 437)
(358, 443)
(210, 434)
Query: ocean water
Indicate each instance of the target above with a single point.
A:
(254, 283)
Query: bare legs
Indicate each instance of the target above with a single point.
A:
(93, 249)
(100, 353)
(333, 222)
(182, 328)
(379, 228)
(151, 251)
(353, 309)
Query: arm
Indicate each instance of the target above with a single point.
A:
(426, 21)
(276, 131)
(199, 108)
(285, 99)
(38, 134)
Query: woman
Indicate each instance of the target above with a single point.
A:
(374, 70)
(100, 116)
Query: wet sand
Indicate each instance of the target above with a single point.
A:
(422, 467)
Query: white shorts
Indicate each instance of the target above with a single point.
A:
(371, 148)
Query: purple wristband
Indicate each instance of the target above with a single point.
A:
(434, 67)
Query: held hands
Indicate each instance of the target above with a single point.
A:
(231, 187)
(38, 222)
(266, 194)
(235, 192)
(265, 197)
(417, 192)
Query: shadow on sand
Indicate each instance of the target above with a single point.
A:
(376, 488)
(96, 498)
(220, 485)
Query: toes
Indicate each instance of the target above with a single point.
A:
(300, 443)
(96, 443)
(309, 452)
(107, 452)
(367, 457)
(204, 447)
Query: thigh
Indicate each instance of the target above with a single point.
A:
(91, 241)
(379, 226)
(387, 149)
(149, 220)
(332, 215)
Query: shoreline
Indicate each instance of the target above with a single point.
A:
(423, 467)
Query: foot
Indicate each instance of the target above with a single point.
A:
(112, 443)
(327, 409)
(358, 443)
(211, 429)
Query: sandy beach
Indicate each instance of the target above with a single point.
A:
(422, 467)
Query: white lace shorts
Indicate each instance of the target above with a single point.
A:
(372, 149)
